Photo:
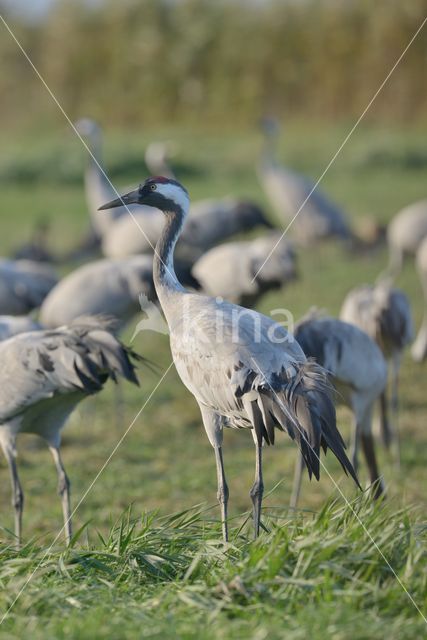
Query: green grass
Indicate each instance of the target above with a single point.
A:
(317, 573)
(172, 577)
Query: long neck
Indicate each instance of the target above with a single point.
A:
(165, 280)
(268, 153)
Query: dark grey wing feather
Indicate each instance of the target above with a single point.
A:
(303, 407)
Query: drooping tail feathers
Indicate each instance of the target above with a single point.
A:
(303, 407)
(97, 354)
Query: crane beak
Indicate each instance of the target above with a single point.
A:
(128, 198)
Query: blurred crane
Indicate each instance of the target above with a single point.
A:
(384, 313)
(358, 371)
(24, 284)
(43, 376)
(419, 347)
(241, 374)
(102, 287)
(405, 233)
(156, 159)
(287, 190)
(229, 269)
(98, 188)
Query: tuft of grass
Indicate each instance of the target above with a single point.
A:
(313, 575)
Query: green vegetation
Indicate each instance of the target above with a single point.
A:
(142, 62)
(172, 578)
(317, 573)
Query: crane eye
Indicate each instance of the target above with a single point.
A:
(153, 187)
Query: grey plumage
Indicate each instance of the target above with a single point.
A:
(230, 270)
(24, 284)
(419, 347)
(357, 369)
(13, 325)
(384, 313)
(405, 233)
(318, 218)
(244, 369)
(98, 189)
(102, 287)
(43, 376)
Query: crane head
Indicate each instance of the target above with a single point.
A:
(162, 193)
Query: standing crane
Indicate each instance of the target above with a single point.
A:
(358, 371)
(244, 370)
(43, 376)
(233, 270)
(290, 193)
(384, 313)
(24, 284)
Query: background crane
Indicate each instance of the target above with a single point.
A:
(384, 313)
(43, 376)
(358, 371)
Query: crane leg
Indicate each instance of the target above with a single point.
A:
(354, 446)
(296, 489)
(63, 490)
(386, 431)
(257, 489)
(395, 406)
(17, 494)
(222, 494)
(212, 422)
(119, 405)
(368, 448)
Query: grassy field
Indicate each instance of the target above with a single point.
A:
(145, 573)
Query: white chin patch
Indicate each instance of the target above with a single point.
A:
(175, 193)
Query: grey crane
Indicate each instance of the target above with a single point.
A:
(12, 325)
(287, 191)
(419, 347)
(232, 270)
(244, 370)
(101, 287)
(405, 233)
(98, 189)
(384, 313)
(24, 284)
(43, 376)
(358, 371)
